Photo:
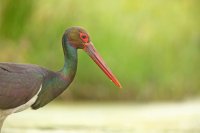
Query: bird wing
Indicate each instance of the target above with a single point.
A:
(18, 84)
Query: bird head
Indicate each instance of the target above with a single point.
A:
(79, 38)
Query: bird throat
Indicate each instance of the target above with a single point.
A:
(70, 59)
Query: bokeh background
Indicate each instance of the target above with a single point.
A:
(153, 47)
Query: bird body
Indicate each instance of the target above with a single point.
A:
(24, 85)
(4, 113)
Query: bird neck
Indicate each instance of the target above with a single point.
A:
(70, 56)
(54, 85)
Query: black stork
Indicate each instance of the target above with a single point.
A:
(25, 85)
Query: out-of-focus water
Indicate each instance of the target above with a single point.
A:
(181, 117)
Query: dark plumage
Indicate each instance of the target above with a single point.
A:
(24, 85)
(19, 83)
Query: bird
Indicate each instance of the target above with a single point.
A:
(24, 86)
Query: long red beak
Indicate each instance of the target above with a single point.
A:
(92, 52)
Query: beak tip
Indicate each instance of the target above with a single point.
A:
(118, 84)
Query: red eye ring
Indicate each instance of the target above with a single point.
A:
(84, 37)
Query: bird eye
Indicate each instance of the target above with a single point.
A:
(84, 37)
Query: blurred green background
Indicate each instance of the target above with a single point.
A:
(153, 47)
